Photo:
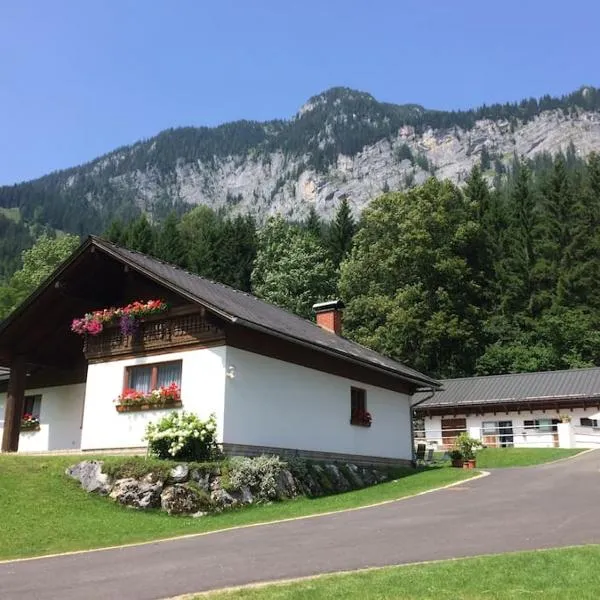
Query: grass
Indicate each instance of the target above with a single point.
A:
(561, 574)
(493, 458)
(44, 512)
(497, 458)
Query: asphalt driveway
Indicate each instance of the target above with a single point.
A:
(512, 509)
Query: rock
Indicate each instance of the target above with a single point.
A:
(223, 499)
(243, 496)
(201, 478)
(181, 499)
(367, 476)
(340, 483)
(137, 494)
(352, 474)
(89, 474)
(179, 474)
(286, 485)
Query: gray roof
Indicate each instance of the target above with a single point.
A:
(521, 387)
(245, 309)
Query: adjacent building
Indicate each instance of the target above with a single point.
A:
(520, 410)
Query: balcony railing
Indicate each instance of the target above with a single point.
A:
(153, 333)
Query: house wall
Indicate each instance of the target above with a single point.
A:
(202, 392)
(276, 404)
(60, 419)
(585, 437)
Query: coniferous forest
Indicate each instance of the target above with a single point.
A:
(485, 278)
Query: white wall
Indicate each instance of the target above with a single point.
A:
(202, 392)
(279, 404)
(585, 437)
(60, 419)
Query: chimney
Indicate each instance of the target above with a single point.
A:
(329, 315)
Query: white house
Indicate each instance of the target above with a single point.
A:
(276, 382)
(547, 409)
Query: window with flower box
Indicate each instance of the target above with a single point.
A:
(358, 408)
(30, 419)
(145, 378)
(150, 387)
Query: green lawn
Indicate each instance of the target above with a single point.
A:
(492, 458)
(43, 511)
(563, 574)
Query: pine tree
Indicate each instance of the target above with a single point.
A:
(554, 233)
(141, 236)
(341, 232)
(580, 270)
(115, 232)
(313, 223)
(519, 261)
(169, 242)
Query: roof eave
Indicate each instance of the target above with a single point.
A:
(421, 383)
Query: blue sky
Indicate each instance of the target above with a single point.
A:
(78, 78)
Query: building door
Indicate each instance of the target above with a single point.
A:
(451, 429)
(505, 434)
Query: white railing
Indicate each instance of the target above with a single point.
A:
(586, 437)
(515, 436)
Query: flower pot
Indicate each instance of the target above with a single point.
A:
(457, 462)
(469, 464)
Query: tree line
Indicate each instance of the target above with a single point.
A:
(493, 277)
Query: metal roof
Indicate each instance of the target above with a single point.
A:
(237, 307)
(520, 387)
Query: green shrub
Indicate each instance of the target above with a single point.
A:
(298, 467)
(259, 474)
(183, 437)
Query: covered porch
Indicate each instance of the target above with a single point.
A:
(43, 367)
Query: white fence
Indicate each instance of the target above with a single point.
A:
(547, 435)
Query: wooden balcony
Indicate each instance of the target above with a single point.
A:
(153, 334)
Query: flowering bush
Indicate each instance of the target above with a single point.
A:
(259, 474)
(183, 436)
(169, 394)
(361, 417)
(93, 323)
(28, 421)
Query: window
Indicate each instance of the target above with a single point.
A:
(146, 378)
(585, 422)
(541, 425)
(32, 406)
(358, 407)
(489, 427)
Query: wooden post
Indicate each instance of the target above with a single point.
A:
(13, 409)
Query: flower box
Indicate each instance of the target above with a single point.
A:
(30, 423)
(30, 427)
(164, 397)
(140, 407)
(361, 418)
(128, 317)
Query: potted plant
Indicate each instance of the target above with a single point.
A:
(457, 458)
(468, 446)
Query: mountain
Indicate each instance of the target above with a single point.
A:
(341, 143)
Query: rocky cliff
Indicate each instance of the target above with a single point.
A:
(340, 143)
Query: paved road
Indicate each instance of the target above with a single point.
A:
(513, 509)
